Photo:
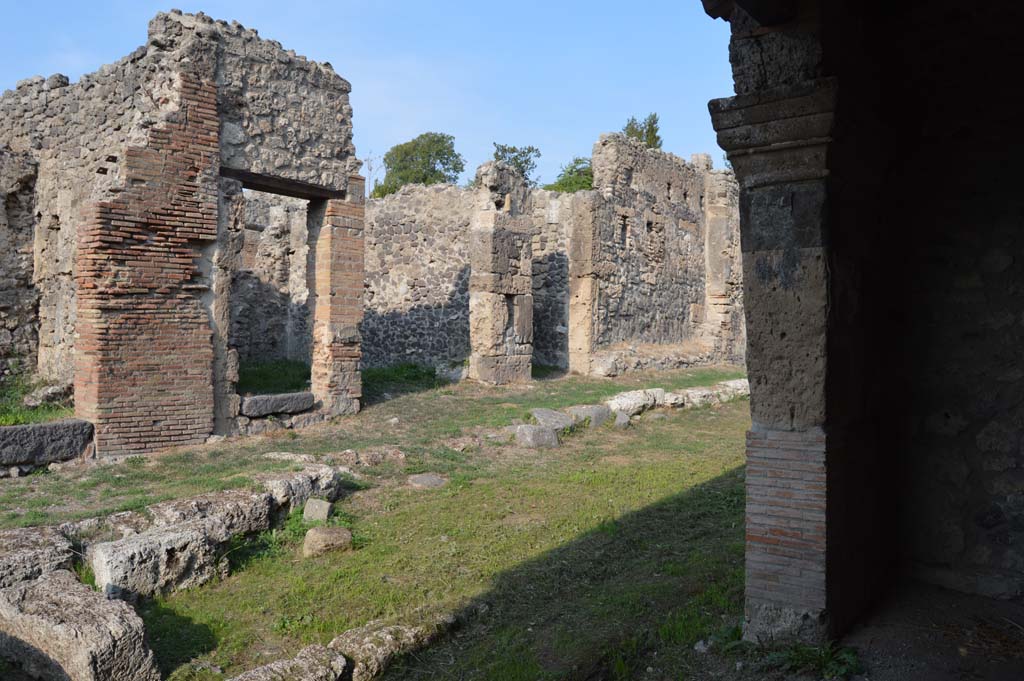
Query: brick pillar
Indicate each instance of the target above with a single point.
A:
(501, 280)
(777, 141)
(338, 310)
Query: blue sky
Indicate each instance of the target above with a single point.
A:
(551, 74)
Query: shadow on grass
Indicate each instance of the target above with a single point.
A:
(383, 383)
(655, 580)
(175, 640)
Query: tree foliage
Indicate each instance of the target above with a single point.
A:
(428, 159)
(576, 176)
(646, 131)
(523, 159)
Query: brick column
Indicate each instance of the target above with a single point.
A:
(338, 309)
(777, 142)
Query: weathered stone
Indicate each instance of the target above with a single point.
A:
(58, 628)
(317, 510)
(372, 647)
(621, 421)
(321, 540)
(314, 663)
(29, 552)
(594, 415)
(44, 443)
(236, 512)
(427, 481)
(632, 403)
(47, 394)
(699, 397)
(536, 437)
(292, 490)
(255, 406)
(555, 420)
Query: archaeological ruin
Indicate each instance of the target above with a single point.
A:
(195, 208)
(881, 265)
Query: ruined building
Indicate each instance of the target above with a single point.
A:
(124, 226)
(882, 266)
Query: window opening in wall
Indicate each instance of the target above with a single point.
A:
(701, 202)
(669, 191)
(623, 229)
(270, 299)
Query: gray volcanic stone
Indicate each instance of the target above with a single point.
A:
(549, 418)
(321, 540)
(315, 663)
(536, 437)
(44, 443)
(58, 628)
(621, 421)
(284, 403)
(317, 510)
(30, 552)
(595, 414)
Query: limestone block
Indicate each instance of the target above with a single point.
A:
(594, 414)
(317, 510)
(44, 443)
(236, 512)
(536, 437)
(488, 320)
(321, 540)
(58, 628)
(699, 397)
(255, 406)
(500, 370)
(427, 481)
(291, 491)
(160, 560)
(632, 402)
(29, 552)
(373, 646)
(555, 420)
(315, 663)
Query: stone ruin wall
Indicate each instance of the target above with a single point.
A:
(19, 300)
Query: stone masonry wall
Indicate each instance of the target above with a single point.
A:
(18, 297)
(417, 277)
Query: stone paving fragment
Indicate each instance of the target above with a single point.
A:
(535, 437)
(321, 540)
(427, 481)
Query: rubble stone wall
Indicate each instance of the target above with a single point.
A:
(19, 324)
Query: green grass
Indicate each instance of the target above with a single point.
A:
(398, 379)
(267, 378)
(14, 413)
(565, 549)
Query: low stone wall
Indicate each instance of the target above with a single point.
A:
(23, 448)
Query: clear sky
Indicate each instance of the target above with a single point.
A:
(552, 74)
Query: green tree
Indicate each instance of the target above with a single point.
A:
(428, 159)
(646, 131)
(523, 159)
(576, 176)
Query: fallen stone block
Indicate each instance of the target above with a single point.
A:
(536, 437)
(315, 663)
(555, 420)
(255, 406)
(595, 414)
(30, 552)
(427, 481)
(699, 397)
(621, 421)
(321, 540)
(632, 403)
(55, 627)
(160, 560)
(292, 490)
(237, 512)
(317, 510)
(44, 443)
(675, 400)
(372, 647)
(309, 419)
(658, 395)
(727, 390)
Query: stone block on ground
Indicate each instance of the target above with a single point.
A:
(321, 540)
(48, 394)
(30, 552)
(427, 481)
(675, 400)
(536, 437)
(40, 444)
(237, 512)
(55, 627)
(699, 397)
(549, 418)
(317, 510)
(728, 390)
(255, 406)
(291, 490)
(315, 663)
(632, 402)
(594, 414)
(621, 421)
(372, 647)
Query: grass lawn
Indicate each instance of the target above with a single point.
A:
(14, 413)
(268, 378)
